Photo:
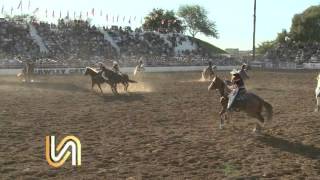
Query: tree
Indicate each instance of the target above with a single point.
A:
(196, 20)
(282, 37)
(306, 26)
(265, 47)
(161, 20)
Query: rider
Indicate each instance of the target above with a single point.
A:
(238, 89)
(140, 66)
(115, 67)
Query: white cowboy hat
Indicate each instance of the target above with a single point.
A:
(234, 71)
(115, 62)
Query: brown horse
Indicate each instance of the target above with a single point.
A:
(253, 105)
(96, 78)
(115, 78)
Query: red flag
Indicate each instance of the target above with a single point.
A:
(92, 12)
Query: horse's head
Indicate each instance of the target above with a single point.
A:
(86, 72)
(213, 85)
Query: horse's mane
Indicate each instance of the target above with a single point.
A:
(92, 69)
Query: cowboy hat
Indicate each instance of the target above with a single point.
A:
(234, 71)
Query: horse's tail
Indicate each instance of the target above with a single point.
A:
(269, 110)
(132, 81)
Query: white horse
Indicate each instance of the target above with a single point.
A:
(139, 69)
(208, 73)
(317, 91)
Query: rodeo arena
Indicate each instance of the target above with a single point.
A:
(151, 103)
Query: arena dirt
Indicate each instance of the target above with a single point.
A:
(166, 128)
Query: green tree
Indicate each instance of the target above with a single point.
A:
(196, 20)
(265, 46)
(282, 37)
(159, 19)
(306, 26)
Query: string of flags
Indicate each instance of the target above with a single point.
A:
(37, 10)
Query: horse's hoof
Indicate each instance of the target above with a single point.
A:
(221, 126)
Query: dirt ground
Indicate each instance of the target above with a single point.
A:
(166, 128)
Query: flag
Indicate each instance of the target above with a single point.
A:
(68, 14)
(74, 15)
(124, 17)
(112, 18)
(117, 18)
(53, 13)
(46, 13)
(29, 5)
(107, 17)
(60, 15)
(20, 5)
(87, 14)
(129, 20)
(2, 9)
(11, 10)
(35, 11)
(134, 18)
(80, 15)
(100, 12)
(92, 12)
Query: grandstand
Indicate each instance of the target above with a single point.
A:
(75, 43)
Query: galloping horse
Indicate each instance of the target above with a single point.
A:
(208, 73)
(253, 105)
(318, 94)
(138, 70)
(115, 78)
(96, 78)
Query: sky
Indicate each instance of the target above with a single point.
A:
(233, 18)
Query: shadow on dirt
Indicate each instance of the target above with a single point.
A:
(292, 147)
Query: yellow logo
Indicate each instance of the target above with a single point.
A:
(56, 156)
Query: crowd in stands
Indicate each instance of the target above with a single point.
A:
(297, 52)
(76, 44)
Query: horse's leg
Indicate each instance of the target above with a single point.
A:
(224, 104)
(257, 127)
(318, 104)
(222, 113)
(100, 88)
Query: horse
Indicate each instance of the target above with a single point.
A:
(96, 78)
(208, 73)
(138, 70)
(243, 74)
(253, 105)
(317, 91)
(115, 78)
